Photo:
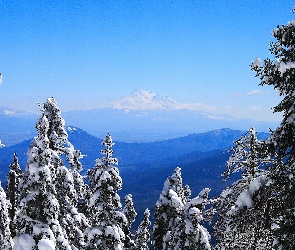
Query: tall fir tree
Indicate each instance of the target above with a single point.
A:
(107, 221)
(142, 235)
(130, 214)
(46, 178)
(11, 190)
(68, 182)
(243, 221)
(37, 215)
(169, 215)
(5, 235)
(279, 72)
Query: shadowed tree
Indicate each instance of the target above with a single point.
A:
(13, 178)
(12, 192)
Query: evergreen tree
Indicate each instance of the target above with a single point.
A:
(243, 221)
(107, 221)
(176, 225)
(129, 210)
(68, 182)
(196, 235)
(12, 193)
(5, 236)
(142, 235)
(280, 73)
(49, 193)
(130, 214)
(37, 215)
(169, 215)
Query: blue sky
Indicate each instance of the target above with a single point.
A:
(86, 53)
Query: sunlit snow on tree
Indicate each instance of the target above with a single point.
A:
(107, 221)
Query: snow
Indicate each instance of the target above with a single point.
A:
(93, 232)
(245, 198)
(226, 192)
(71, 129)
(256, 63)
(282, 66)
(23, 242)
(45, 244)
(175, 200)
(146, 100)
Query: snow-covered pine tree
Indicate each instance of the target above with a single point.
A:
(142, 235)
(177, 226)
(68, 183)
(243, 221)
(58, 141)
(107, 221)
(5, 236)
(12, 193)
(279, 72)
(130, 214)
(169, 213)
(36, 221)
(47, 178)
(129, 209)
(196, 235)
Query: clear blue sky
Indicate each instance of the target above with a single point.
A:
(85, 53)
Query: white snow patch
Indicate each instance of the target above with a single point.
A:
(45, 244)
(245, 198)
(23, 242)
(9, 112)
(282, 66)
(256, 62)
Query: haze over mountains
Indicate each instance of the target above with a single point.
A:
(146, 116)
(142, 116)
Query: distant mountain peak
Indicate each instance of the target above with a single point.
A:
(144, 100)
(15, 113)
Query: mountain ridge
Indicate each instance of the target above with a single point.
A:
(142, 116)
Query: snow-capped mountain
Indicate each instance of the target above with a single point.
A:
(144, 100)
(148, 100)
(15, 113)
(144, 115)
